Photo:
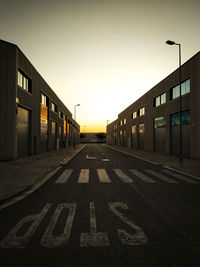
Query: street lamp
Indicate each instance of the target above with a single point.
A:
(169, 42)
(75, 110)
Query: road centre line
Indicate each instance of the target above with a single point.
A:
(84, 176)
(63, 178)
(142, 176)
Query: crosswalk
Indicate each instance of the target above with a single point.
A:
(127, 176)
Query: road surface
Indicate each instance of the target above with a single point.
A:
(105, 208)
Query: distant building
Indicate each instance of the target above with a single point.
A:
(152, 122)
(33, 118)
(91, 138)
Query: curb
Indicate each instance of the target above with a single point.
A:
(31, 188)
(181, 172)
(137, 157)
(156, 163)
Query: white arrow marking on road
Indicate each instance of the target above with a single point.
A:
(94, 238)
(87, 157)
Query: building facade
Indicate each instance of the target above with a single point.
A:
(33, 118)
(152, 123)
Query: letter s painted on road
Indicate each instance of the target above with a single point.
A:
(138, 238)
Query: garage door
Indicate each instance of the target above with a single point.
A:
(23, 133)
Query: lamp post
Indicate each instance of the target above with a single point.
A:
(75, 110)
(169, 42)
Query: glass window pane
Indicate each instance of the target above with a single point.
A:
(183, 88)
(163, 98)
(157, 101)
(187, 86)
(175, 92)
(160, 122)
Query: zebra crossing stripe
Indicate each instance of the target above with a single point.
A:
(162, 177)
(103, 176)
(183, 178)
(123, 176)
(84, 176)
(142, 176)
(63, 178)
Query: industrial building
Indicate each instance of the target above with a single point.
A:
(152, 123)
(33, 118)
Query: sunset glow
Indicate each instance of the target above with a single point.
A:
(101, 54)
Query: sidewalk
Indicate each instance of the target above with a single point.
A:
(20, 175)
(188, 166)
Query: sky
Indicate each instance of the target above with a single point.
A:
(101, 54)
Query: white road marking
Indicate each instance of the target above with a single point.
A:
(185, 179)
(13, 240)
(63, 178)
(123, 176)
(94, 238)
(138, 238)
(103, 176)
(142, 176)
(161, 177)
(50, 240)
(87, 157)
(84, 176)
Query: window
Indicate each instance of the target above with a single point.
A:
(134, 115)
(134, 129)
(159, 100)
(185, 88)
(163, 99)
(124, 121)
(121, 123)
(175, 92)
(141, 128)
(160, 122)
(142, 111)
(185, 118)
(53, 107)
(24, 82)
(60, 114)
(43, 100)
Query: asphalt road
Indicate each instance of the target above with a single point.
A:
(105, 208)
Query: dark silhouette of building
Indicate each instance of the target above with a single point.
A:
(33, 118)
(152, 122)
